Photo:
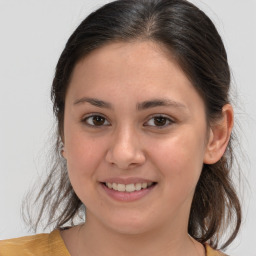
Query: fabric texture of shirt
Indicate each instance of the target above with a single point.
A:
(50, 245)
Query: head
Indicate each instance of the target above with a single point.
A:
(187, 37)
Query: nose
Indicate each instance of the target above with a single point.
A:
(125, 151)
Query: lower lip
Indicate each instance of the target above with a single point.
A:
(127, 196)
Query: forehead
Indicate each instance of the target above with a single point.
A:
(144, 69)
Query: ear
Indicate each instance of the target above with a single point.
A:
(219, 136)
(62, 151)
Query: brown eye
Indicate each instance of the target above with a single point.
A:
(96, 120)
(159, 121)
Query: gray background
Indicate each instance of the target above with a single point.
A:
(32, 36)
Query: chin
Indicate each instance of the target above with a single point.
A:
(130, 225)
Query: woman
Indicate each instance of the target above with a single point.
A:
(141, 97)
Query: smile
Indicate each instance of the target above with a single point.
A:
(128, 187)
(127, 190)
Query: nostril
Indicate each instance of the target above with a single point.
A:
(125, 159)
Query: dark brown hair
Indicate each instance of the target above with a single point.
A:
(190, 36)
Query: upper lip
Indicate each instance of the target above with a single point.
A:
(130, 180)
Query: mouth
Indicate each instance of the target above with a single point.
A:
(128, 192)
(129, 188)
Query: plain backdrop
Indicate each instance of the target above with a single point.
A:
(32, 36)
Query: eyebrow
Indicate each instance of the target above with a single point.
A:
(159, 103)
(140, 106)
(94, 102)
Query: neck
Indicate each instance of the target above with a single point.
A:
(165, 241)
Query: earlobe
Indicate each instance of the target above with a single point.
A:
(63, 154)
(219, 136)
(62, 151)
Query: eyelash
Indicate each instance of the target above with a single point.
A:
(85, 120)
(167, 121)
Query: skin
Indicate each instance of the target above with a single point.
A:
(129, 143)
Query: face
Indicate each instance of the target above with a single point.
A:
(135, 138)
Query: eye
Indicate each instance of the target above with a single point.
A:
(96, 120)
(159, 121)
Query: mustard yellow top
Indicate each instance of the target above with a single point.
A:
(49, 245)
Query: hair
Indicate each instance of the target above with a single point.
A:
(191, 37)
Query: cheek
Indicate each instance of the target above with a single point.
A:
(84, 158)
(84, 155)
(179, 157)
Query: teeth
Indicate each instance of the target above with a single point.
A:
(144, 185)
(128, 187)
(121, 187)
(109, 185)
(138, 186)
(114, 186)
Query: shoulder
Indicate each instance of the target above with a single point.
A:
(41, 245)
(211, 252)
